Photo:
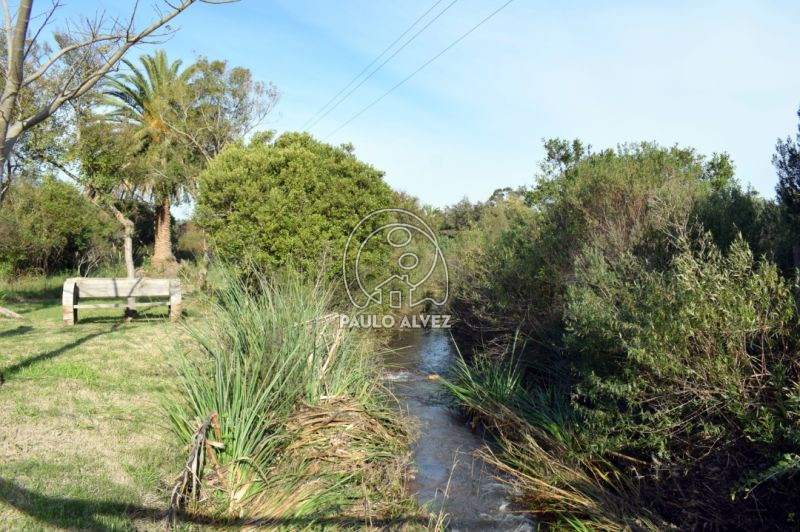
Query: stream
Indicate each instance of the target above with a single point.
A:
(445, 446)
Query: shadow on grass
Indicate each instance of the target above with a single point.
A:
(98, 319)
(64, 511)
(47, 355)
(22, 329)
(139, 318)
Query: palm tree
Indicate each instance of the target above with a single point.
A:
(147, 98)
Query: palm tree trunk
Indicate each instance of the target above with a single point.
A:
(162, 252)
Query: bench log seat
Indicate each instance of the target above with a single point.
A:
(77, 288)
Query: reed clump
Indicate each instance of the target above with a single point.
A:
(307, 438)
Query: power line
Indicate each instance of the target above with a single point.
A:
(343, 98)
(425, 64)
(321, 109)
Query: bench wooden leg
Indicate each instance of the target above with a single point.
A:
(69, 298)
(175, 300)
(67, 314)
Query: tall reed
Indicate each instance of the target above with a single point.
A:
(283, 378)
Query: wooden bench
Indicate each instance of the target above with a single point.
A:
(77, 288)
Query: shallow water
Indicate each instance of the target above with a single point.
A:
(444, 449)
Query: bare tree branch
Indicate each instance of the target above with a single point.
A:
(64, 51)
(80, 74)
(7, 19)
(47, 18)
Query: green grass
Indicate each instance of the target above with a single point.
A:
(84, 443)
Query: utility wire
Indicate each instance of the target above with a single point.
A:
(423, 28)
(321, 109)
(425, 64)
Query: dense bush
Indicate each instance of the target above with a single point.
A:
(729, 211)
(49, 227)
(618, 201)
(293, 200)
(659, 382)
(690, 370)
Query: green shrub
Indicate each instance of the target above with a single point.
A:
(712, 334)
(660, 382)
(523, 256)
(50, 227)
(729, 211)
(290, 201)
(689, 369)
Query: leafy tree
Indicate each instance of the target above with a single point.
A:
(141, 98)
(219, 104)
(293, 201)
(787, 163)
(719, 171)
(40, 82)
(183, 119)
(109, 171)
(35, 235)
(729, 211)
(562, 155)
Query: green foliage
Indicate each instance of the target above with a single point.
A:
(293, 200)
(266, 356)
(176, 120)
(110, 171)
(787, 163)
(655, 359)
(523, 255)
(728, 212)
(104, 155)
(143, 101)
(688, 368)
(713, 333)
(220, 104)
(487, 281)
(50, 227)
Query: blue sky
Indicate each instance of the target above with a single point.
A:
(717, 76)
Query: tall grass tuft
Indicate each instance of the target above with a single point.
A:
(290, 388)
(535, 444)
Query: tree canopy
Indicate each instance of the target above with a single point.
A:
(787, 163)
(291, 201)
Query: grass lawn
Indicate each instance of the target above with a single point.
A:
(83, 440)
